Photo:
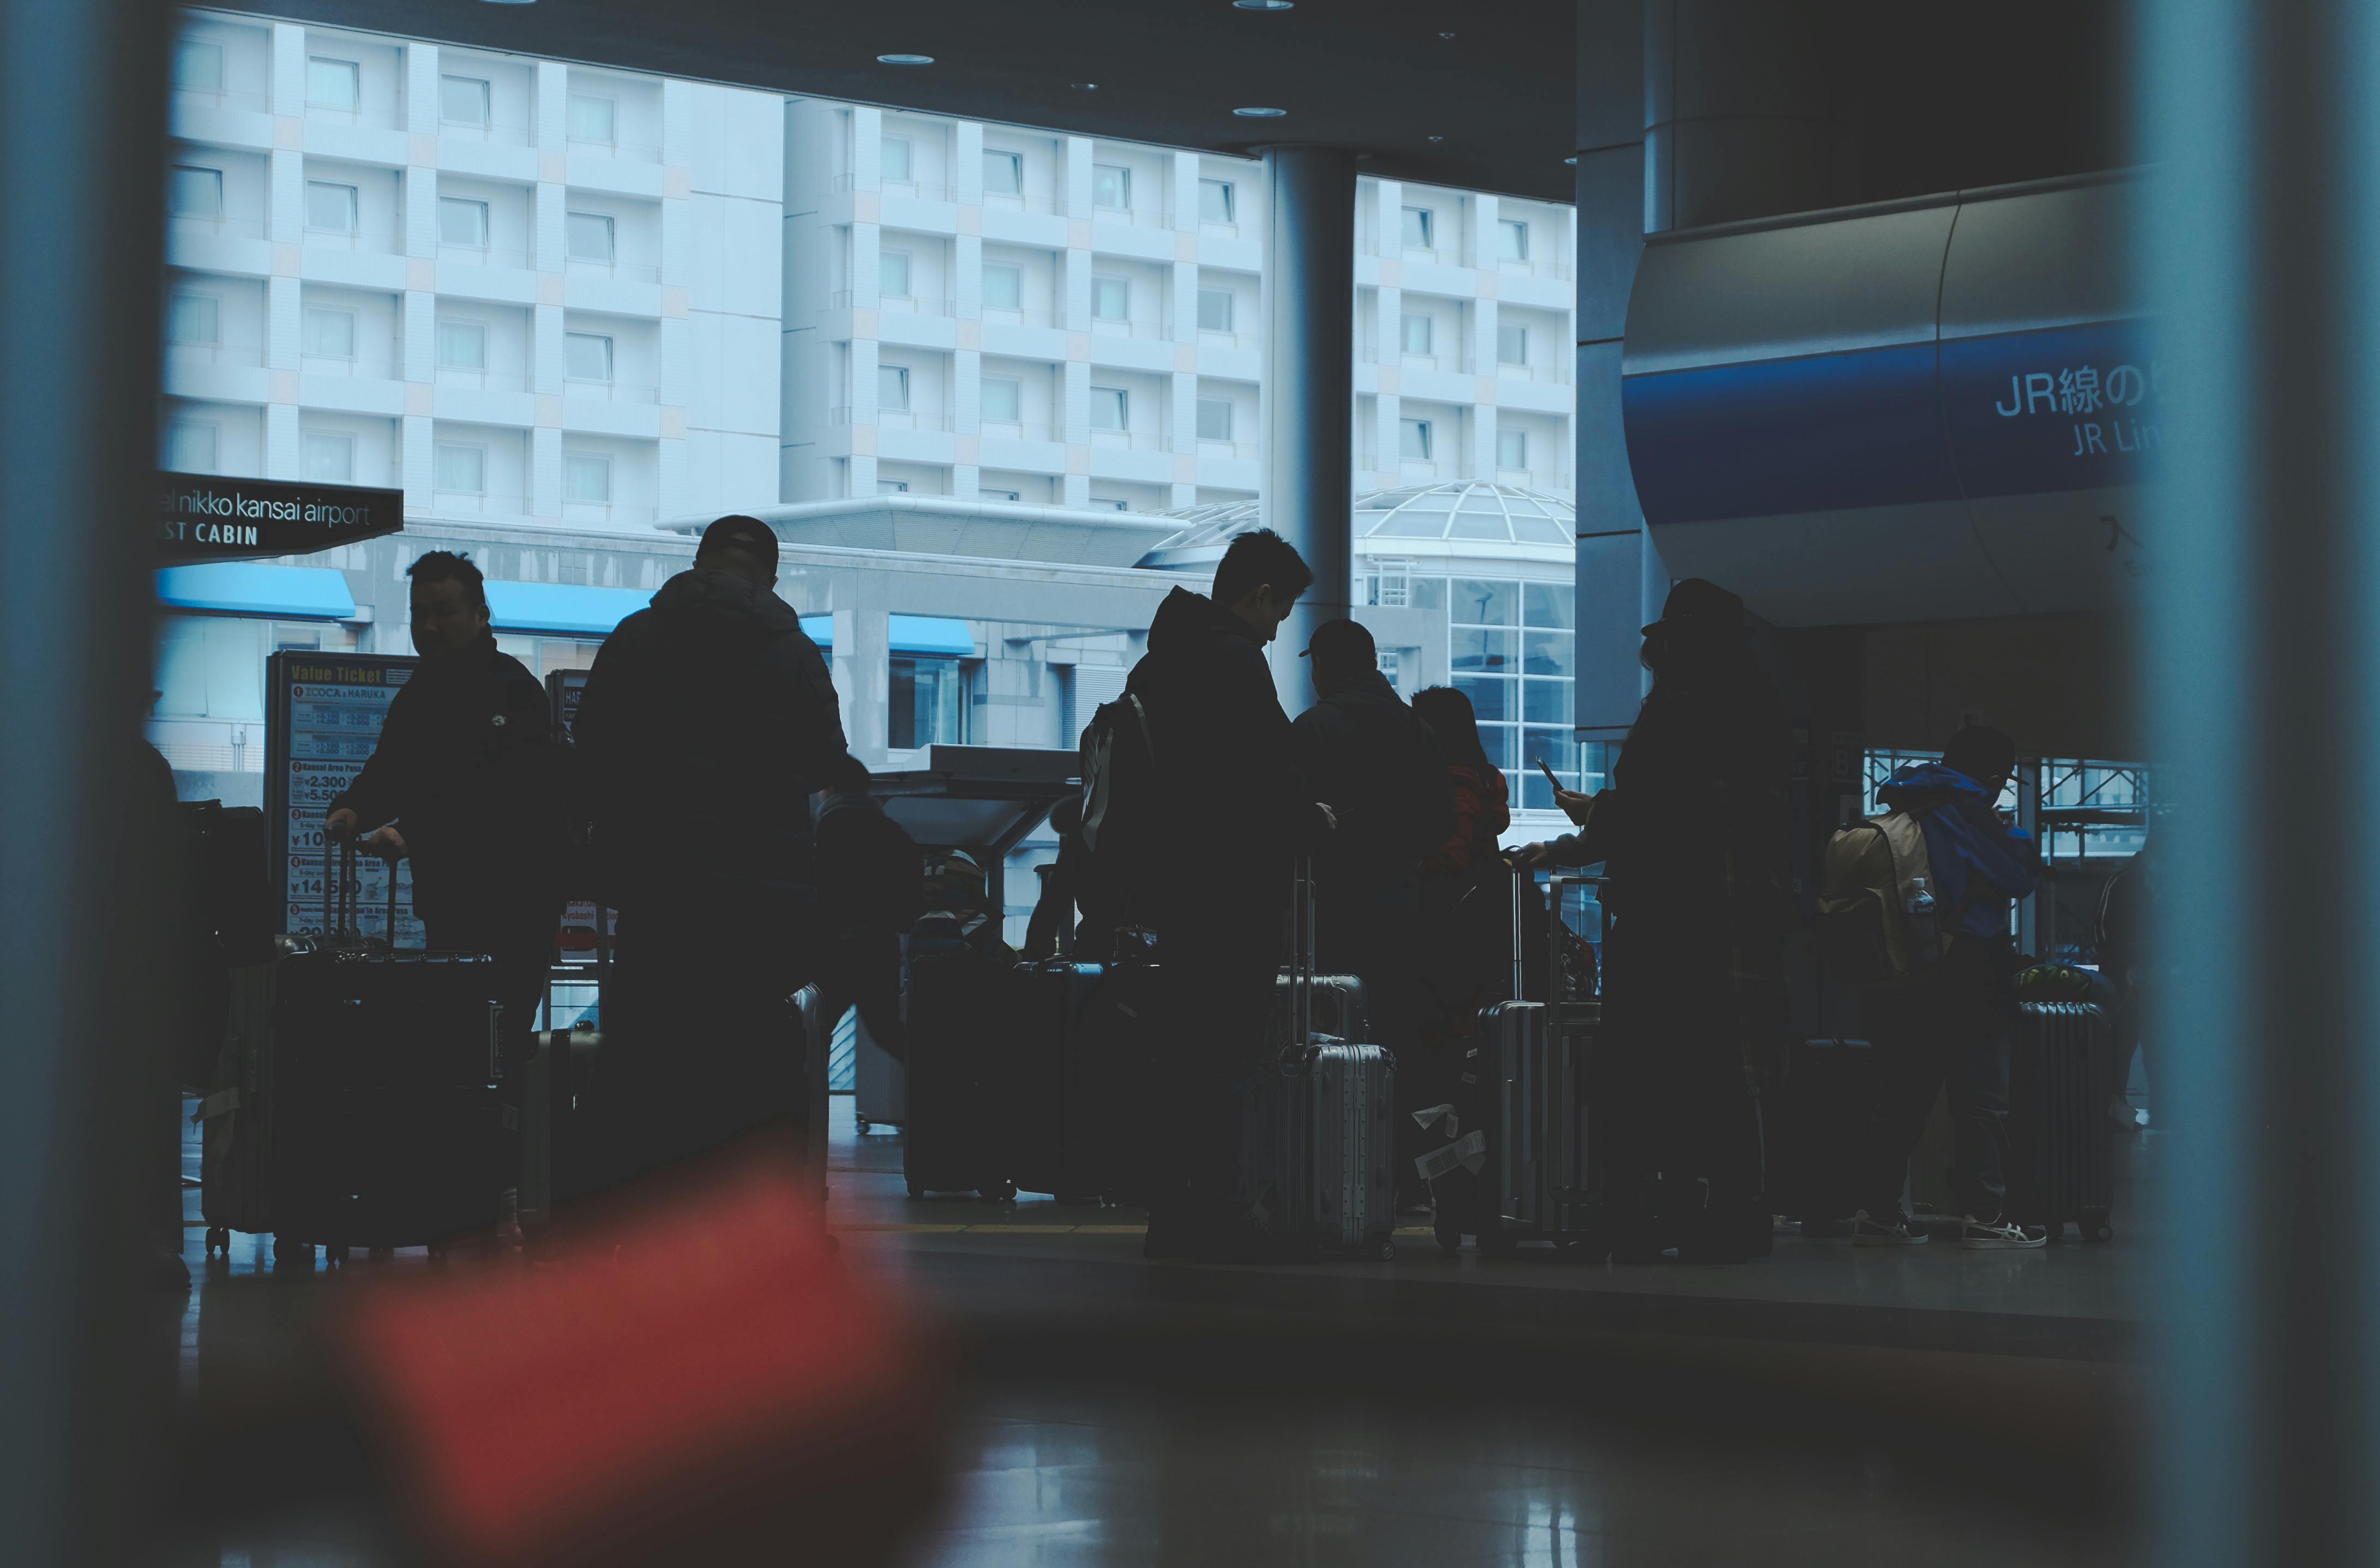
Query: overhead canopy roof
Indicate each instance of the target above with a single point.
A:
(984, 530)
(560, 607)
(938, 634)
(258, 587)
(1376, 76)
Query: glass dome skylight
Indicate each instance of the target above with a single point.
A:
(1463, 510)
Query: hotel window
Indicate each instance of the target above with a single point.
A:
(1511, 240)
(892, 387)
(928, 703)
(324, 457)
(463, 223)
(1414, 439)
(196, 192)
(191, 447)
(1111, 300)
(1417, 334)
(199, 68)
(332, 84)
(1214, 419)
(593, 119)
(460, 470)
(1215, 201)
(1110, 408)
(998, 494)
(893, 275)
(892, 486)
(1512, 345)
(894, 160)
(1003, 173)
(590, 237)
(1214, 309)
(328, 334)
(1111, 187)
(585, 478)
(587, 356)
(463, 101)
(1004, 288)
(1511, 449)
(1420, 229)
(194, 318)
(329, 209)
(462, 346)
(1004, 400)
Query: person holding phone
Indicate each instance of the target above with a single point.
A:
(1694, 837)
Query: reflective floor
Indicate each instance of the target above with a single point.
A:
(1827, 1406)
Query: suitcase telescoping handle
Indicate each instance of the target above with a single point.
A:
(1302, 959)
(1525, 881)
(1555, 929)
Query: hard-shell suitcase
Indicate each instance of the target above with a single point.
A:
(1318, 1149)
(2061, 1144)
(961, 1007)
(1121, 1073)
(1051, 1084)
(1517, 1162)
(1817, 1128)
(880, 1083)
(814, 1039)
(235, 1115)
(388, 1126)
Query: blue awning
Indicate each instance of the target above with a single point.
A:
(940, 635)
(559, 607)
(258, 587)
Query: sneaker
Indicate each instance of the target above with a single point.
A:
(1998, 1233)
(1893, 1230)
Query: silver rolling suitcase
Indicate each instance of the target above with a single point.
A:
(1519, 1164)
(1319, 1149)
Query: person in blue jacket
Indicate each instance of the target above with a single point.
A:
(1952, 1022)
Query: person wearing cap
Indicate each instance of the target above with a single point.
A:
(1372, 760)
(707, 722)
(1695, 836)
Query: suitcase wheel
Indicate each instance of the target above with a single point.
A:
(999, 1192)
(862, 1125)
(1450, 1237)
(218, 1242)
(1388, 1251)
(2094, 1227)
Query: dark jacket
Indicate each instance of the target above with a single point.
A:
(1225, 751)
(705, 720)
(1980, 862)
(470, 769)
(1372, 760)
(1482, 811)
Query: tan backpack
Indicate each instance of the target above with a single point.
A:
(1866, 933)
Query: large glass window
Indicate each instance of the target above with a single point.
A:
(1003, 173)
(1110, 408)
(928, 703)
(1420, 229)
(332, 84)
(1003, 399)
(1110, 299)
(1214, 309)
(1484, 649)
(330, 208)
(589, 236)
(463, 101)
(462, 223)
(1214, 419)
(587, 356)
(1484, 602)
(1216, 201)
(893, 163)
(1111, 186)
(462, 346)
(593, 118)
(327, 458)
(1553, 604)
(1004, 288)
(196, 192)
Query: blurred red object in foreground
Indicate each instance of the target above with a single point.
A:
(714, 1385)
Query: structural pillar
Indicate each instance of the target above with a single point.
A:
(1309, 387)
(2261, 659)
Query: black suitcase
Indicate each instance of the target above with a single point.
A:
(1120, 1072)
(1051, 1083)
(2061, 1144)
(1815, 1126)
(960, 1006)
(388, 1126)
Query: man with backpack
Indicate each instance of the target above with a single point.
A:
(1947, 1013)
(1196, 842)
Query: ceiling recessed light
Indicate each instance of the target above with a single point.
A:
(1437, 138)
(1084, 86)
(1446, 35)
(511, 2)
(904, 59)
(1260, 114)
(1263, 5)
(1571, 159)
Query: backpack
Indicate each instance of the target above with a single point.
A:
(1123, 818)
(1866, 934)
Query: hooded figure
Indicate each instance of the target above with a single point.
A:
(707, 722)
(1695, 836)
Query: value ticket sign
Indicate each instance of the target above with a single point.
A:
(323, 715)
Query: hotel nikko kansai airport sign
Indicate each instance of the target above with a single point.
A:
(210, 517)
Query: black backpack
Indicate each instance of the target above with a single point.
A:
(1122, 815)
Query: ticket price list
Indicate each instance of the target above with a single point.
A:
(329, 734)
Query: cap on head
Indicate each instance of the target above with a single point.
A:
(1340, 645)
(1696, 605)
(1980, 752)
(736, 531)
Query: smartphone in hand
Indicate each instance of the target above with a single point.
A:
(1549, 772)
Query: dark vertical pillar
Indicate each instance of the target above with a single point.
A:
(2262, 251)
(1309, 386)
